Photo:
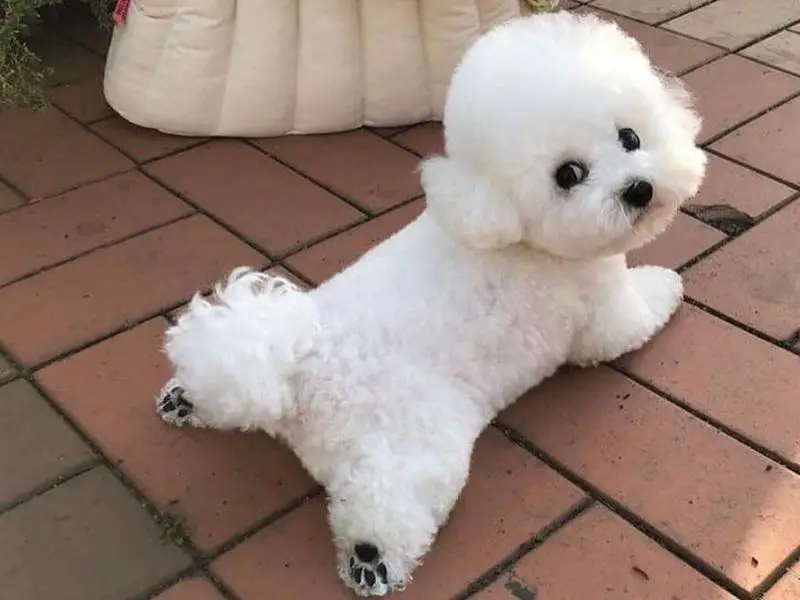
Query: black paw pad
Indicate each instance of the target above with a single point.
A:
(174, 401)
(367, 570)
(366, 552)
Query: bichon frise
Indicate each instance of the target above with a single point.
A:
(564, 149)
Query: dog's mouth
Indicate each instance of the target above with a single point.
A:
(635, 215)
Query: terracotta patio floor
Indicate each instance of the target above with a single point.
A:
(672, 475)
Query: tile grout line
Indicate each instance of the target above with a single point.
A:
(766, 174)
(771, 580)
(182, 538)
(197, 142)
(17, 192)
(713, 139)
(740, 325)
(183, 542)
(222, 588)
(690, 10)
(126, 325)
(752, 42)
(83, 254)
(260, 525)
(762, 63)
(165, 583)
(30, 200)
(507, 564)
(64, 477)
(712, 422)
(663, 540)
(344, 229)
(729, 238)
(658, 26)
(138, 168)
(726, 51)
(352, 203)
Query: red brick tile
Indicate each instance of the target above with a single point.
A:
(268, 203)
(623, 563)
(720, 108)
(509, 498)
(327, 258)
(25, 422)
(733, 508)
(220, 483)
(82, 100)
(729, 184)
(719, 370)
(754, 278)
(44, 152)
(292, 558)
(9, 198)
(649, 11)
(69, 61)
(667, 50)
(788, 588)
(770, 143)
(138, 142)
(359, 165)
(734, 23)
(191, 589)
(426, 139)
(45, 315)
(781, 50)
(686, 238)
(86, 539)
(44, 233)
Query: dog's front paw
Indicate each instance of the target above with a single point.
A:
(365, 572)
(174, 408)
(661, 289)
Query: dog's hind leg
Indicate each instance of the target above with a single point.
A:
(385, 520)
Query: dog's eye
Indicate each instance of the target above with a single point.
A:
(629, 140)
(571, 174)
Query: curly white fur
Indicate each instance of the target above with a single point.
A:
(382, 378)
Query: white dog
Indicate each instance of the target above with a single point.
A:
(564, 149)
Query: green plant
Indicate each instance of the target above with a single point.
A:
(22, 74)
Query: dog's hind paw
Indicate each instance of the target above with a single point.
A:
(365, 571)
(173, 407)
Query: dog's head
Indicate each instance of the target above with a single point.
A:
(561, 135)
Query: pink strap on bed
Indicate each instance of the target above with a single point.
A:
(121, 11)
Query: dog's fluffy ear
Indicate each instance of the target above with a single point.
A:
(468, 206)
(684, 102)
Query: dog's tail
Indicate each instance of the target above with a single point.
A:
(237, 352)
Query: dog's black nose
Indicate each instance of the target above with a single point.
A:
(638, 194)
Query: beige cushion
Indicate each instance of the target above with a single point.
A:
(270, 67)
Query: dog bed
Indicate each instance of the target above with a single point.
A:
(272, 67)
